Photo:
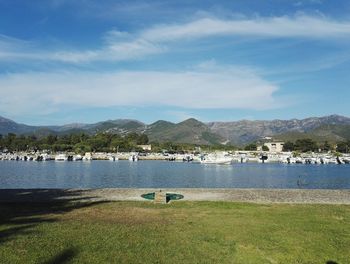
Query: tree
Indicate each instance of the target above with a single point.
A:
(326, 146)
(117, 143)
(20, 143)
(33, 138)
(51, 139)
(75, 139)
(288, 146)
(250, 147)
(97, 143)
(265, 148)
(142, 140)
(343, 147)
(132, 137)
(82, 148)
(11, 137)
(305, 145)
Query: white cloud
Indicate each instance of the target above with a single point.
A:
(121, 46)
(12, 48)
(155, 39)
(288, 27)
(197, 89)
(119, 51)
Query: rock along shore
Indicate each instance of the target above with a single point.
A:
(300, 196)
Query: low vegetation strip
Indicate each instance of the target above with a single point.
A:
(180, 232)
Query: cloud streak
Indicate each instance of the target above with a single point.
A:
(196, 89)
(124, 46)
(300, 26)
(11, 50)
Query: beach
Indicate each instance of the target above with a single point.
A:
(293, 196)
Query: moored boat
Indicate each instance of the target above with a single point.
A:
(215, 159)
(133, 157)
(61, 157)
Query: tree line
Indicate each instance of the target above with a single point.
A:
(307, 145)
(79, 143)
(101, 142)
(106, 142)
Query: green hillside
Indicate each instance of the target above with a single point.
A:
(189, 131)
(330, 133)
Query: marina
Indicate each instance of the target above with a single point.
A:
(217, 157)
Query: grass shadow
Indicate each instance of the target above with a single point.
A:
(66, 256)
(23, 210)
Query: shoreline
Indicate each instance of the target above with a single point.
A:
(260, 196)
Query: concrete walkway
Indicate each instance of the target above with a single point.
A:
(237, 195)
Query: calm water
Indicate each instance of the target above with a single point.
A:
(162, 174)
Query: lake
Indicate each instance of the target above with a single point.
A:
(163, 174)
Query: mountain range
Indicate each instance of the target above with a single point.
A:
(331, 128)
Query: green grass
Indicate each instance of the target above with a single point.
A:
(180, 232)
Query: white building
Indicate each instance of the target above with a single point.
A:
(145, 147)
(275, 146)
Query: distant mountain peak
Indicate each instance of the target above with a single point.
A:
(191, 121)
(161, 121)
(125, 120)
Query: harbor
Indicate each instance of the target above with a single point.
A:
(216, 157)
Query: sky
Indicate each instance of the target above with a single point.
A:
(86, 61)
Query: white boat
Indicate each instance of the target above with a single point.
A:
(77, 157)
(330, 160)
(46, 157)
(214, 159)
(61, 157)
(113, 158)
(87, 156)
(346, 160)
(133, 157)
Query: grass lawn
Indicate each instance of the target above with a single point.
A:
(180, 232)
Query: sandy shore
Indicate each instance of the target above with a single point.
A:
(237, 195)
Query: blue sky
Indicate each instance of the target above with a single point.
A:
(67, 61)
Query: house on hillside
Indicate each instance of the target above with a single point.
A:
(268, 142)
(145, 147)
(274, 146)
